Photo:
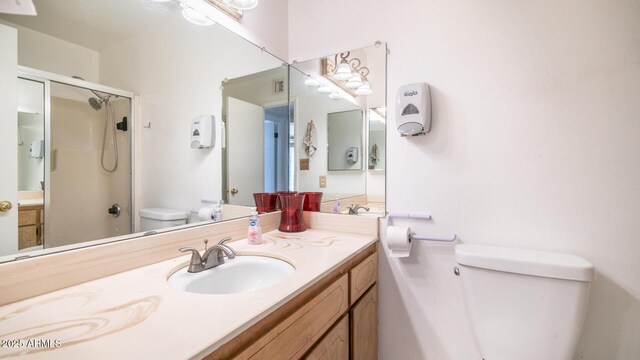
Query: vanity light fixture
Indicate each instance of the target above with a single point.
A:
(242, 4)
(349, 74)
(354, 82)
(311, 81)
(364, 89)
(325, 89)
(195, 17)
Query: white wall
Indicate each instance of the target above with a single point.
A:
(535, 144)
(45, 52)
(265, 26)
(177, 69)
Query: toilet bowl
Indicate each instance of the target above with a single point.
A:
(160, 218)
(524, 304)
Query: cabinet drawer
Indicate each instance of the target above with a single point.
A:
(363, 276)
(335, 345)
(291, 338)
(27, 217)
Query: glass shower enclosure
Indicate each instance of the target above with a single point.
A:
(75, 160)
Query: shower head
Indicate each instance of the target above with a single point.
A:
(96, 103)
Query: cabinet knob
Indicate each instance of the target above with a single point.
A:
(233, 192)
(5, 206)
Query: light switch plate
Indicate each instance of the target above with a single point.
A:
(323, 181)
(304, 164)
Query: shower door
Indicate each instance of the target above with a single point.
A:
(89, 175)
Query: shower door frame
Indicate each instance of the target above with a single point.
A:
(46, 78)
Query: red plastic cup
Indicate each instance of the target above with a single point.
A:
(291, 219)
(312, 201)
(265, 202)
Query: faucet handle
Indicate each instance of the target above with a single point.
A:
(195, 265)
(228, 238)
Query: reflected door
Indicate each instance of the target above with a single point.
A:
(245, 127)
(8, 141)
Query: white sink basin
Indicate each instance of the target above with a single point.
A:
(241, 274)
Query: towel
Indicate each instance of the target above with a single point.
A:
(374, 154)
(309, 147)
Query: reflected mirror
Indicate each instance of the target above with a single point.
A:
(330, 98)
(376, 139)
(344, 140)
(128, 83)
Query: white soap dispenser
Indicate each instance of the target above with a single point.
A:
(413, 109)
(202, 132)
(254, 234)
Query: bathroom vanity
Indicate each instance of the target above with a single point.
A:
(30, 225)
(326, 310)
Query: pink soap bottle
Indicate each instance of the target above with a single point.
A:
(254, 234)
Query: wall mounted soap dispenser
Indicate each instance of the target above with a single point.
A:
(413, 109)
(203, 132)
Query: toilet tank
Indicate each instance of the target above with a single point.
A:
(524, 304)
(160, 218)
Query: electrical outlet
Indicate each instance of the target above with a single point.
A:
(304, 164)
(323, 181)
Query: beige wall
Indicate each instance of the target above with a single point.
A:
(535, 143)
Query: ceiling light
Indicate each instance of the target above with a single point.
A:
(242, 4)
(343, 72)
(195, 17)
(311, 81)
(335, 95)
(325, 89)
(364, 89)
(354, 82)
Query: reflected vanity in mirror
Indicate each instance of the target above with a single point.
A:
(150, 67)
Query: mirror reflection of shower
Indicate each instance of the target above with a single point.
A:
(109, 121)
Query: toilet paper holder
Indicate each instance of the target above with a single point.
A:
(414, 236)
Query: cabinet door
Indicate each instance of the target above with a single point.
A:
(27, 236)
(364, 327)
(335, 344)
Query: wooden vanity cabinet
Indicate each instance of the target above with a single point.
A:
(30, 226)
(335, 319)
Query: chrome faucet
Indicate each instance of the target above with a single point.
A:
(212, 257)
(353, 209)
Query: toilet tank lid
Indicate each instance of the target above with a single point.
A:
(524, 261)
(163, 214)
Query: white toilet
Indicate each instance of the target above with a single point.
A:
(160, 218)
(524, 304)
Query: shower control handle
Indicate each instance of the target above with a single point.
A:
(114, 210)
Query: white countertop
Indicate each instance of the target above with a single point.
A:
(138, 315)
(30, 202)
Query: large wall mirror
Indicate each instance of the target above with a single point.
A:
(86, 66)
(102, 132)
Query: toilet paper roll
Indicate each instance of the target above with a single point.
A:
(398, 241)
(204, 214)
